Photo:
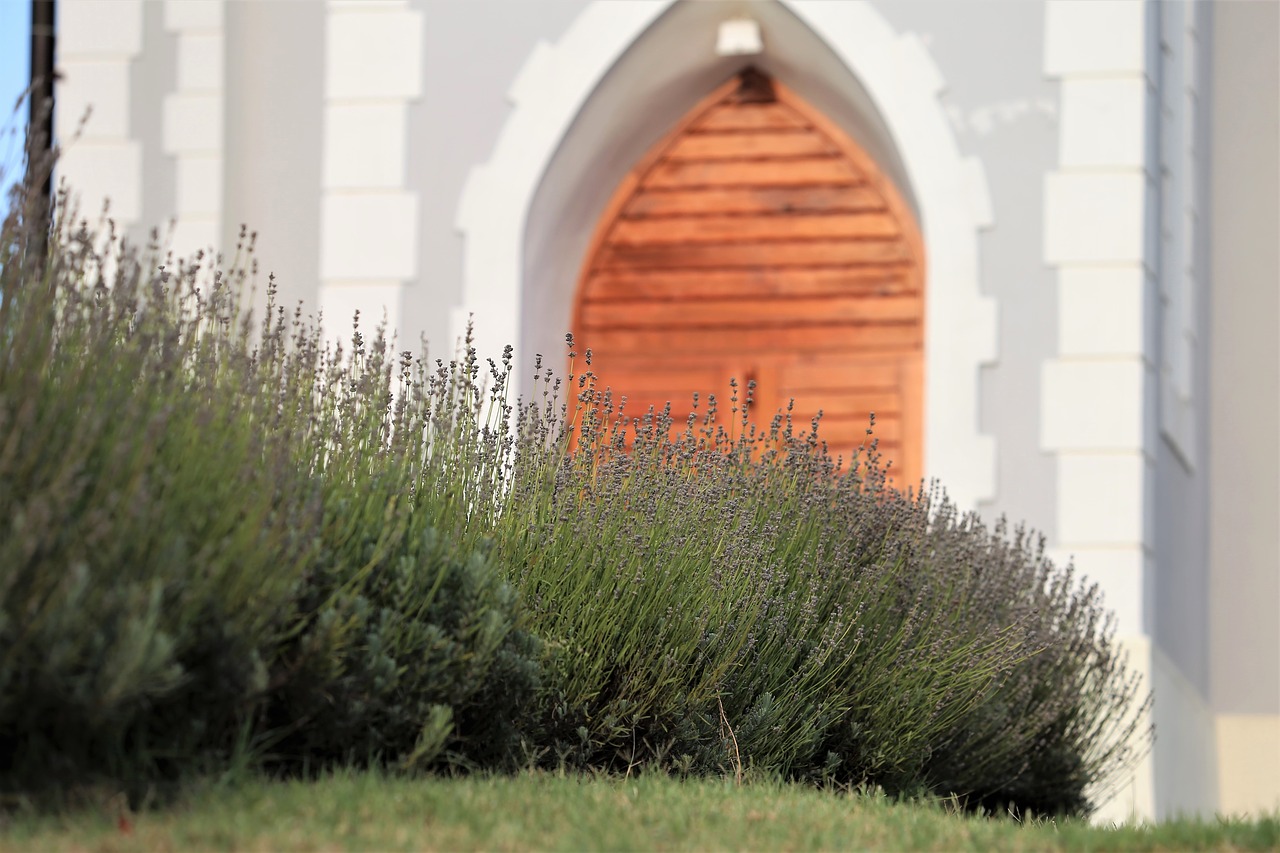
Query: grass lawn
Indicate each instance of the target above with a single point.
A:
(546, 812)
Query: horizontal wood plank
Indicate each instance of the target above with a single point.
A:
(749, 117)
(752, 244)
(716, 229)
(750, 313)
(842, 425)
(758, 283)
(847, 405)
(852, 198)
(611, 359)
(635, 379)
(781, 254)
(848, 433)
(842, 434)
(879, 337)
(737, 146)
(822, 373)
(813, 171)
(817, 375)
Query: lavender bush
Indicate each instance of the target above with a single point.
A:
(716, 594)
(209, 553)
(227, 540)
(148, 529)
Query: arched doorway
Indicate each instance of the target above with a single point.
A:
(758, 241)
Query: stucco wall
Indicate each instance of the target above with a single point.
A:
(152, 77)
(1005, 112)
(1180, 617)
(1244, 443)
(1244, 406)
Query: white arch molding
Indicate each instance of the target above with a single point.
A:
(903, 82)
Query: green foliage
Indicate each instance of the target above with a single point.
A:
(228, 544)
(405, 651)
(147, 535)
(719, 595)
(209, 547)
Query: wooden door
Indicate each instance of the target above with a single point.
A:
(758, 241)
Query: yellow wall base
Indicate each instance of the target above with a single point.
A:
(1202, 764)
(1248, 763)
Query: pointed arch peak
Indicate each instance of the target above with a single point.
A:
(757, 241)
(754, 87)
(532, 207)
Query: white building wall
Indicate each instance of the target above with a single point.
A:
(98, 40)
(193, 122)
(1121, 229)
(1094, 400)
(1242, 405)
(368, 216)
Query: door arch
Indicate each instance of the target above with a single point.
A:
(758, 241)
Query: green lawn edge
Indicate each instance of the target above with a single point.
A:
(545, 811)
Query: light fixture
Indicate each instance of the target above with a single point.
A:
(739, 37)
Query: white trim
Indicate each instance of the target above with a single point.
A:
(193, 15)
(904, 83)
(1099, 401)
(546, 95)
(104, 29)
(193, 122)
(97, 42)
(1094, 401)
(369, 217)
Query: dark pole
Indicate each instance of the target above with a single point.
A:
(40, 104)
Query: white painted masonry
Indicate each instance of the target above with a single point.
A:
(368, 217)
(1099, 396)
(905, 85)
(193, 122)
(97, 41)
(1097, 51)
(1093, 406)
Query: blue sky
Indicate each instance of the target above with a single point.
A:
(15, 68)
